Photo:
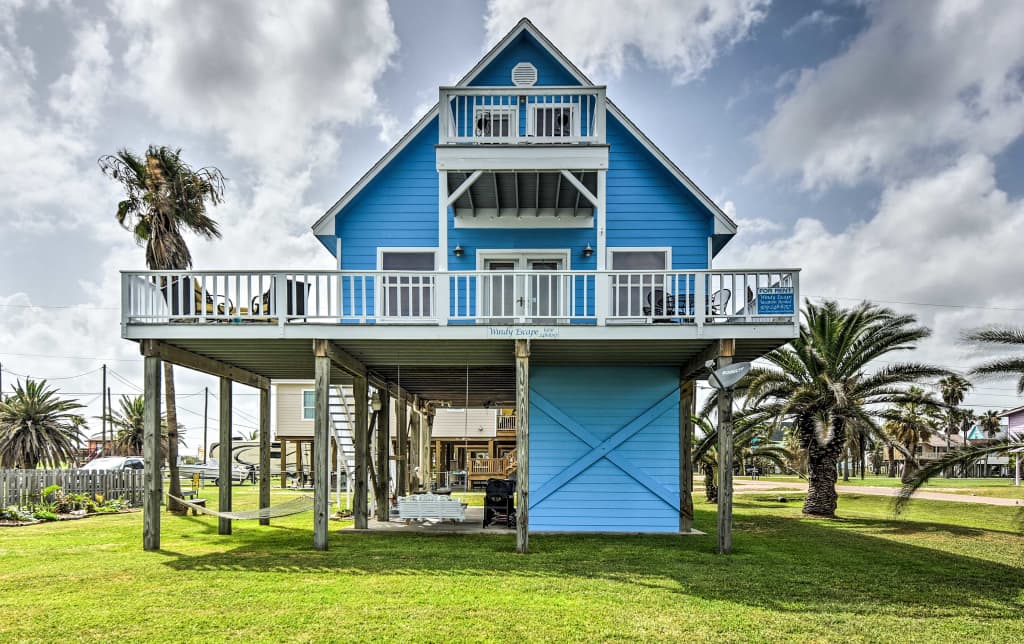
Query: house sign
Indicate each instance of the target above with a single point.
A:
(775, 300)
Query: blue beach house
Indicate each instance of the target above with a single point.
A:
(525, 245)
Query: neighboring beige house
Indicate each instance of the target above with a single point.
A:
(471, 447)
(292, 427)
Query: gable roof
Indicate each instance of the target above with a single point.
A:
(724, 225)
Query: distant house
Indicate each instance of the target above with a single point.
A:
(524, 242)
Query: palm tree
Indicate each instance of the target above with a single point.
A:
(953, 389)
(823, 382)
(748, 443)
(164, 197)
(990, 424)
(38, 427)
(1010, 366)
(912, 423)
(129, 424)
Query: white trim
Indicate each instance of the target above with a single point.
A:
(405, 250)
(524, 218)
(302, 406)
(711, 253)
(483, 254)
(641, 249)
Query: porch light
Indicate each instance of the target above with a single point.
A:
(588, 251)
(375, 402)
(458, 251)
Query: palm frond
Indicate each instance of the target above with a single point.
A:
(964, 456)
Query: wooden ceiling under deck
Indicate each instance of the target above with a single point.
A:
(437, 370)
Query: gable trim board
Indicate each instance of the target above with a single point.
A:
(724, 225)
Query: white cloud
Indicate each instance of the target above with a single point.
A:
(683, 38)
(951, 238)
(924, 79)
(816, 18)
(78, 95)
(276, 80)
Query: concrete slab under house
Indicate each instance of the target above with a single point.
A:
(524, 254)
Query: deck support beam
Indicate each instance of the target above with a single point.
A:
(197, 362)
(522, 446)
(582, 189)
(383, 455)
(321, 449)
(224, 456)
(152, 479)
(463, 187)
(687, 405)
(361, 444)
(725, 457)
(264, 418)
(401, 443)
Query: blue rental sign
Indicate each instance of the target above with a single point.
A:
(775, 300)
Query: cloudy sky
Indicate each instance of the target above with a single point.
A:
(875, 145)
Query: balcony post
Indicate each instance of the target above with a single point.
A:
(279, 305)
(599, 121)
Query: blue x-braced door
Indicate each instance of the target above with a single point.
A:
(604, 449)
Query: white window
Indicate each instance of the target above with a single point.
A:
(494, 122)
(553, 121)
(640, 292)
(308, 404)
(408, 295)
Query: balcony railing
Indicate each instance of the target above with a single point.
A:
(474, 297)
(522, 115)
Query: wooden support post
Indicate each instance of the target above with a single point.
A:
(522, 446)
(321, 450)
(687, 405)
(152, 479)
(383, 454)
(284, 462)
(224, 456)
(361, 444)
(264, 418)
(725, 459)
(414, 449)
(440, 467)
(401, 443)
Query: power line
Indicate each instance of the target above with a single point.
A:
(906, 303)
(23, 375)
(52, 356)
(60, 306)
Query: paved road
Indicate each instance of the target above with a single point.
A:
(745, 486)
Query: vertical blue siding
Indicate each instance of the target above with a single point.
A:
(647, 206)
(397, 208)
(603, 497)
(524, 49)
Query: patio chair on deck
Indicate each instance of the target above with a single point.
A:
(662, 306)
(295, 308)
(201, 302)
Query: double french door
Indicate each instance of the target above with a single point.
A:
(523, 288)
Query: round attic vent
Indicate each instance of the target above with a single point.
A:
(524, 75)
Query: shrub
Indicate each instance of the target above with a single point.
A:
(45, 515)
(14, 513)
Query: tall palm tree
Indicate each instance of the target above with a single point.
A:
(824, 383)
(990, 424)
(38, 427)
(1008, 366)
(912, 423)
(953, 389)
(164, 197)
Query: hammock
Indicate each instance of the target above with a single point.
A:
(294, 506)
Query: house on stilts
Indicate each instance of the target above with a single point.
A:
(523, 246)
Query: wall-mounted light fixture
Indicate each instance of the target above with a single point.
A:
(458, 250)
(588, 251)
(375, 403)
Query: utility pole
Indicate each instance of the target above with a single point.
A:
(206, 410)
(110, 410)
(103, 396)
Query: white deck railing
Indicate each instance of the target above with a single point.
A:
(471, 297)
(522, 115)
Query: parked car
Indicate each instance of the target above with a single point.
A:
(115, 463)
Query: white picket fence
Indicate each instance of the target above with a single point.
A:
(22, 487)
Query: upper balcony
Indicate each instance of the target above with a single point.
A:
(496, 128)
(488, 304)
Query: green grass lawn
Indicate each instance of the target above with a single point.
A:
(943, 572)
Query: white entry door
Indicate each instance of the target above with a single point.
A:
(512, 293)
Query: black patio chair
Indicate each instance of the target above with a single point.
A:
(498, 502)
